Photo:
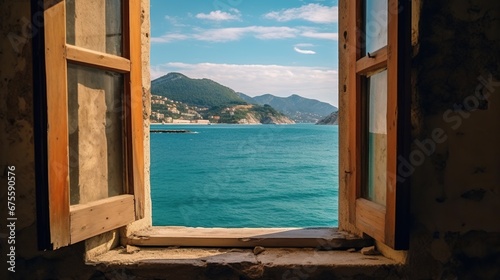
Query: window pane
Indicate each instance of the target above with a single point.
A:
(95, 114)
(95, 25)
(377, 138)
(376, 17)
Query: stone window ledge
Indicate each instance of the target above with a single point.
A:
(226, 263)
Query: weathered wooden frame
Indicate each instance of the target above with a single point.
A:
(71, 224)
(388, 224)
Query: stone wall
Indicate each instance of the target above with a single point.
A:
(456, 184)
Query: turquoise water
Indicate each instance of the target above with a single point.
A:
(245, 176)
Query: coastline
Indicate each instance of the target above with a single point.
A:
(155, 123)
(203, 124)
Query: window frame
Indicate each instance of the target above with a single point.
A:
(388, 224)
(69, 224)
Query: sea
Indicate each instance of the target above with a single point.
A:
(229, 175)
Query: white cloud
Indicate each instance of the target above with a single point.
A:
(237, 33)
(304, 51)
(304, 45)
(316, 13)
(321, 35)
(167, 38)
(220, 15)
(253, 79)
(220, 35)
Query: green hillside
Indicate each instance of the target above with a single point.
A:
(195, 92)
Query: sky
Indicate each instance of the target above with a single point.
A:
(281, 47)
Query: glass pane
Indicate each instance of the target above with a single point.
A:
(95, 25)
(375, 24)
(95, 114)
(377, 137)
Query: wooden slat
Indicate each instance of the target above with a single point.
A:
(97, 59)
(368, 64)
(354, 95)
(57, 118)
(127, 122)
(346, 48)
(136, 121)
(247, 237)
(88, 220)
(370, 217)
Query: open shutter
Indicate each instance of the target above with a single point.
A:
(95, 153)
(378, 110)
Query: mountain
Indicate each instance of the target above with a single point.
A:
(178, 97)
(195, 92)
(247, 98)
(331, 119)
(298, 108)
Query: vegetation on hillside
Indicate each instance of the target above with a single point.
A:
(195, 92)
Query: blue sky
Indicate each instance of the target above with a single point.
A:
(281, 47)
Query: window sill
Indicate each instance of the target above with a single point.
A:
(323, 238)
(225, 263)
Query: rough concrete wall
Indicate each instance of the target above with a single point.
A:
(455, 166)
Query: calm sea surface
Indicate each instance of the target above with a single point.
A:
(245, 176)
